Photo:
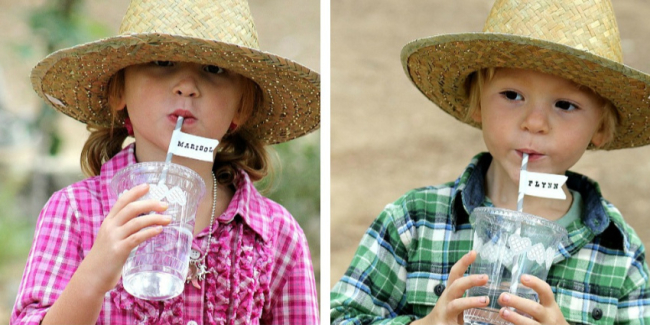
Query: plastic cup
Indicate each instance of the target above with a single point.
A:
(508, 244)
(156, 269)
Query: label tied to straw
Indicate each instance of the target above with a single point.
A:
(192, 146)
(542, 185)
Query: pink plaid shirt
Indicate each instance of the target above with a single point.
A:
(259, 258)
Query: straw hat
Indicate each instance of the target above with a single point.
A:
(576, 40)
(211, 32)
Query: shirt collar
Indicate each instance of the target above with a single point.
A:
(247, 202)
(250, 205)
(469, 193)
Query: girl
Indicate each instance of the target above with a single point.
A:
(199, 61)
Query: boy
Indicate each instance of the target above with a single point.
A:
(544, 79)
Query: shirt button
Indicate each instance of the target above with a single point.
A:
(439, 289)
(194, 254)
(192, 323)
(597, 313)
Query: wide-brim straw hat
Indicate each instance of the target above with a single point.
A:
(576, 40)
(74, 80)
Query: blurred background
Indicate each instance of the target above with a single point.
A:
(387, 138)
(39, 148)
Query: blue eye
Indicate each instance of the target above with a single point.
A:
(564, 105)
(163, 63)
(512, 95)
(213, 69)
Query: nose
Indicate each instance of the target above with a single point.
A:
(187, 87)
(536, 120)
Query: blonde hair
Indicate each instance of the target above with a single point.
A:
(476, 81)
(237, 150)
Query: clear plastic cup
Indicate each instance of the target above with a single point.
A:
(156, 269)
(508, 244)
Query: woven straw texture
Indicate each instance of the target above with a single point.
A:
(74, 80)
(576, 40)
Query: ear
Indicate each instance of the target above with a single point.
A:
(601, 136)
(247, 100)
(237, 119)
(121, 104)
(476, 114)
(117, 103)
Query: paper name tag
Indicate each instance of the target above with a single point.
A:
(542, 185)
(192, 146)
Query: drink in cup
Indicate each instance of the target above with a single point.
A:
(156, 269)
(508, 244)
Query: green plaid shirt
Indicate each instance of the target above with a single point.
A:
(401, 266)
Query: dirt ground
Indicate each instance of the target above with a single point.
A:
(388, 138)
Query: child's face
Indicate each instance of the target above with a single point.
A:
(156, 93)
(546, 116)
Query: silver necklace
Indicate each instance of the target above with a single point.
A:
(198, 270)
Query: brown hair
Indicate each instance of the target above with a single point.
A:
(476, 81)
(237, 150)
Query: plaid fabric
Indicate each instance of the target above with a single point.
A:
(270, 280)
(599, 275)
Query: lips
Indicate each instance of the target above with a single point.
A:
(532, 154)
(187, 116)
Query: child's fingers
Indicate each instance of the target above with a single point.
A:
(516, 318)
(128, 197)
(541, 287)
(450, 306)
(457, 306)
(458, 270)
(138, 237)
(458, 288)
(524, 305)
(137, 224)
(457, 284)
(138, 208)
(545, 312)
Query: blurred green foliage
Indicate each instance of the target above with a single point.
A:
(16, 234)
(296, 182)
(62, 24)
(16, 229)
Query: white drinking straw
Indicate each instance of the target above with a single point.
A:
(522, 172)
(520, 208)
(168, 159)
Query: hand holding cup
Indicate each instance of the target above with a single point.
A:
(451, 304)
(121, 231)
(546, 311)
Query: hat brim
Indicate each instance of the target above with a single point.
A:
(439, 67)
(74, 80)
